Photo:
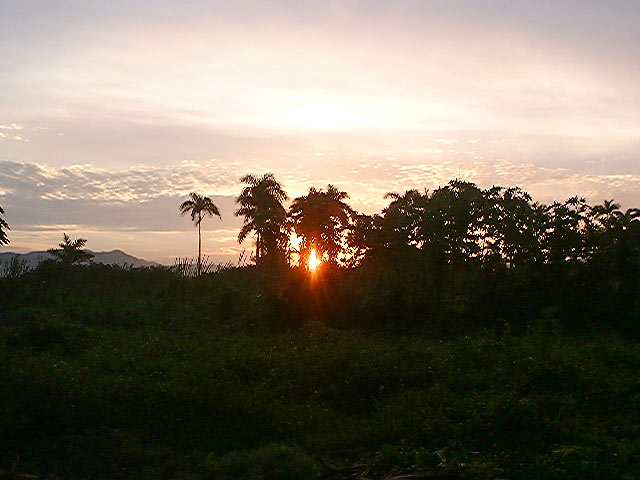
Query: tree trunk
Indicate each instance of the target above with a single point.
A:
(199, 246)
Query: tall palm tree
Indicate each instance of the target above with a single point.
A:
(3, 235)
(321, 218)
(260, 203)
(199, 206)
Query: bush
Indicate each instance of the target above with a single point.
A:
(274, 461)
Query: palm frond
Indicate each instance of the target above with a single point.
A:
(244, 231)
(186, 206)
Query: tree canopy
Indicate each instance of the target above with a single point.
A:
(322, 219)
(70, 251)
(260, 203)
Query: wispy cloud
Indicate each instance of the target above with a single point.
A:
(366, 178)
(101, 103)
(12, 126)
(12, 131)
(137, 207)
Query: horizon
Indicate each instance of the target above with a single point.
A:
(114, 111)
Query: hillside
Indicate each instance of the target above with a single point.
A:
(114, 257)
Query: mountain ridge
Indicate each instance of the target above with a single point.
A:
(112, 257)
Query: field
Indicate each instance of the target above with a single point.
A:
(108, 373)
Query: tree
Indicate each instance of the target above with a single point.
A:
(607, 213)
(451, 222)
(568, 226)
(70, 252)
(628, 219)
(260, 203)
(401, 217)
(322, 219)
(514, 227)
(199, 206)
(616, 249)
(4, 240)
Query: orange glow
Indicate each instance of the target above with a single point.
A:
(295, 241)
(314, 261)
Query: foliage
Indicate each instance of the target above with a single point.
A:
(4, 240)
(142, 373)
(463, 332)
(14, 268)
(260, 203)
(70, 251)
(478, 255)
(274, 461)
(322, 219)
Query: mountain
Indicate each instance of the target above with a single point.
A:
(114, 257)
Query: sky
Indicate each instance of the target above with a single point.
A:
(111, 112)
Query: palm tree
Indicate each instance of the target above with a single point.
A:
(607, 213)
(260, 203)
(199, 206)
(3, 235)
(628, 218)
(321, 218)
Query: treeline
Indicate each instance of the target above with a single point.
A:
(479, 255)
(456, 253)
(457, 223)
(445, 261)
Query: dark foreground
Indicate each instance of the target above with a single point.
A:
(114, 374)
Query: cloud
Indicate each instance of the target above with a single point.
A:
(133, 184)
(102, 100)
(139, 196)
(137, 208)
(11, 126)
(12, 131)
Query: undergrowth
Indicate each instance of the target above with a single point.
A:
(142, 374)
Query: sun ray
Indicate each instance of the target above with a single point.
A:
(314, 261)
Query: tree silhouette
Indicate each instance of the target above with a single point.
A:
(199, 206)
(400, 218)
(607, 213)
(616, 248)
(629, 218)
(322, 219)
(514, 226)
(450, 221)
(4, 240)
(260, 203)
(70, 252)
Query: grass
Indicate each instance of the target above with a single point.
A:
(150, 380)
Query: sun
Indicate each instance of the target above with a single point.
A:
(314, 261)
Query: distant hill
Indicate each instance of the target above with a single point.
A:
(114, 257)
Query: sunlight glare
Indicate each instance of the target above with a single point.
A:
(295, 241)
(323, 112)
(314, 261)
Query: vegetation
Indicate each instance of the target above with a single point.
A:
(70, 251)
(460, 333)
(116, 373)
(321, 219)
(4, 240)
(260, 203)
(199, 206)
